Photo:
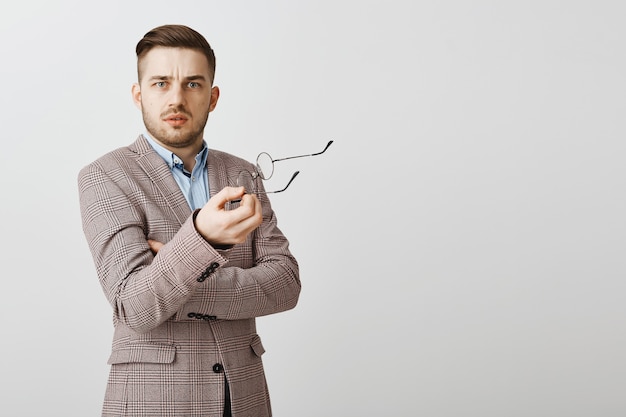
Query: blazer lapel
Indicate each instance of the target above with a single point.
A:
(159, 173)
(218, 173)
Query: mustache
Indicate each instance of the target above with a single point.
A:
(176, 110)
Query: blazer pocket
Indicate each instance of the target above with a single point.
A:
(257, 346)
(143, 353)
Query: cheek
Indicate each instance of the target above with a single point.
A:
(148, 106)
(201, 106)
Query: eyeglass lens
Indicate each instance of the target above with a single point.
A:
(265, 165)
(246, 180)
(265, 170)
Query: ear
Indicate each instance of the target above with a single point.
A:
(215, 95)
(136, 92)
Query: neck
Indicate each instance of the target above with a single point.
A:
(187, 155)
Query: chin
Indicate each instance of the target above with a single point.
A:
(181, 140)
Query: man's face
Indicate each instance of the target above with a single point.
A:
(175, 95)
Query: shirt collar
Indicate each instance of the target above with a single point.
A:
(172, 160)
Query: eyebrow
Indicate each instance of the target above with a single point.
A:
(168, 78)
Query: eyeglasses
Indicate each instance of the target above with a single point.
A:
(265, 170)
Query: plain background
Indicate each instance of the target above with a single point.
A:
(462, 243)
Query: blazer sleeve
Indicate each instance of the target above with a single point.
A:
(188, 276)
(262, 277)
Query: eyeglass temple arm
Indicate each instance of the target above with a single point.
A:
(301, 156)
(293, 177)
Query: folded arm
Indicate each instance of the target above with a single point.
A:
(257, 276)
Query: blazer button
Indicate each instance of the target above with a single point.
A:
(218, 368)
(212, 268)
(203, 276)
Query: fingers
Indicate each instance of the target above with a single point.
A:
(227, 194)
(251, 211)
(245, 218)
(227, 227)
(154, 245)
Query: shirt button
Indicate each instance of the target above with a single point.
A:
(218, 368)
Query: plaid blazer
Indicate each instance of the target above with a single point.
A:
(184, 320)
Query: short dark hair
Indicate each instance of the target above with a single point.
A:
(175, 36)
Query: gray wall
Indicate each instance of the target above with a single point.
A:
(461, 244)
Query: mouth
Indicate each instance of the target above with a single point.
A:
(176, 119)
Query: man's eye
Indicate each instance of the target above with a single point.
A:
(193, 84)
(160, 84)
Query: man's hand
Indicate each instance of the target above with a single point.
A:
(220, 226)
(155, 245)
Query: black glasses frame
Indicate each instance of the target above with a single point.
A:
(259, 172)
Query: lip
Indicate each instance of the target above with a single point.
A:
(176, 119)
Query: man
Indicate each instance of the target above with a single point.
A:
(185, 270)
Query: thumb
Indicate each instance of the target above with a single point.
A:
(227, 194)
(155, 245)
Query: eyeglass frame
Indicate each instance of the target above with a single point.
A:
(259, 172)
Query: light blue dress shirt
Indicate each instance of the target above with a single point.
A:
(195, 184)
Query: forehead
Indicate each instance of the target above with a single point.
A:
(174, 62)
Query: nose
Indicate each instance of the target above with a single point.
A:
(176, 96)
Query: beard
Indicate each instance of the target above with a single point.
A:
(176, 136)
